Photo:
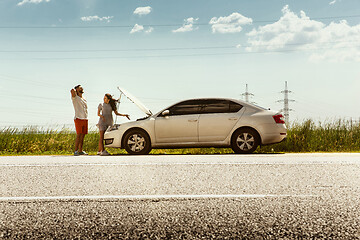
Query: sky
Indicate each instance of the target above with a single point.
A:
(165, 51)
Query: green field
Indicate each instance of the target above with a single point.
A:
(307, 136)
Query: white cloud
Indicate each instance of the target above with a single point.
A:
(230, 24)
(137, 28)
(97, 18)
(188, 25)
(140, 28)
(150, 30)
(334, 42)
(143, 10)
(332, 2)
(32, 1)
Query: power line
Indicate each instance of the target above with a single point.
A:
(35, 82)
(167, 49)
(10, 126)
(154, 25)
(57, 100)
(179, 55)
(117, 50)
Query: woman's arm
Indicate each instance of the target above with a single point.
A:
(99, 114)
(124, 115)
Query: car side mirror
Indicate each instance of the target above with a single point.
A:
(165, 113)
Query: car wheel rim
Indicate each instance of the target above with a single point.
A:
(245, 141)
(136, 142)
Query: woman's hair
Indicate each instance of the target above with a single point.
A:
(112, 101)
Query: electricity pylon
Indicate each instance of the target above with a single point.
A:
(286, 101)
(247, 94)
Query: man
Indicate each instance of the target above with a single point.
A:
(81, 121)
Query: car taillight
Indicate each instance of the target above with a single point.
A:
(279, 118)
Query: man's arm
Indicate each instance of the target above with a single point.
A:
(73, 93)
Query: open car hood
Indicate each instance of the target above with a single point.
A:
(136, 101)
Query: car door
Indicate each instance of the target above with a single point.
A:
(217, 119)
(180, 125)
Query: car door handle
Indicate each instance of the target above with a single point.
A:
(192, 120)
(233, 119)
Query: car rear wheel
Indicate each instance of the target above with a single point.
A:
(137, 142)
(245, 141)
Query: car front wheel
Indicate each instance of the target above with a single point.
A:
(137, 142)
(245, 141)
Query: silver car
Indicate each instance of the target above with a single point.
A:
(206, 122)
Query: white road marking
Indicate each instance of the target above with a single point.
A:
(165, 160)
(147, 197)
(173, 163)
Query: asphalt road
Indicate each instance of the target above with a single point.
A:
(181, 196)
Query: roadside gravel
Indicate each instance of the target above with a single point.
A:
(251, 218)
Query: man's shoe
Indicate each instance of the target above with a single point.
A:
(98, 153)
(104, 153)
(83, 153)
(76, 153)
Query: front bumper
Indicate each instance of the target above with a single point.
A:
(108, 141)
(112, 138)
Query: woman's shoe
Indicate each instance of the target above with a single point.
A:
(104, 153)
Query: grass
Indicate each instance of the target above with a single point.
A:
(307, 136)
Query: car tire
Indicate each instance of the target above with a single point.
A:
(245, 140)
(137, 142)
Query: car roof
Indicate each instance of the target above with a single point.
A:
(246, 104)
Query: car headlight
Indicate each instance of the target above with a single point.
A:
(114, 127)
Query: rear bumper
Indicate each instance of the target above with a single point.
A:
(273, 138)
(272, 133)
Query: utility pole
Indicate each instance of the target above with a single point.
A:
(247, 94)
(286, 101)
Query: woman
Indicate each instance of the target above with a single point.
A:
(106, 119)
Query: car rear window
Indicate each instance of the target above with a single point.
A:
(220, 106)
(234, 107)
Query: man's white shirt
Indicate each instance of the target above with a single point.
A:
(80, 106)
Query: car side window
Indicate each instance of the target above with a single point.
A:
(186, 108)
(220, 106)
